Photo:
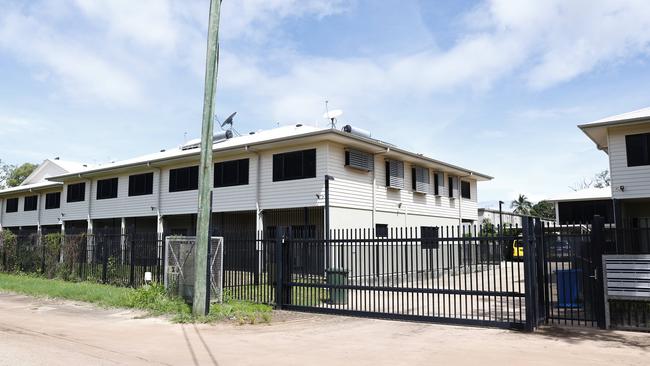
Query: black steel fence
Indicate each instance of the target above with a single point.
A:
(107, 258)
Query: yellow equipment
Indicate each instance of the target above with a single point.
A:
(517, 249)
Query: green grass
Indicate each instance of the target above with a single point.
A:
(151, 299)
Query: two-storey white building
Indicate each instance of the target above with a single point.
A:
(261, 180)
(625, 138)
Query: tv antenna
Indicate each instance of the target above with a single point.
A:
(332, 115)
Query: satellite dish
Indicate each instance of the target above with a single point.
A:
(333, 114)
(228, 120)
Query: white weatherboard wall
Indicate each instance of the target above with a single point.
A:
(636, 180)
(124, 205)
(51, 216)
(352, 189)
(20, 218)
(74, 210)
(292, 193)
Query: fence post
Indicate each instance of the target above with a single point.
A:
(131, 242)
(279, 239)
(104, 258)
(530, 273)
(596, 254)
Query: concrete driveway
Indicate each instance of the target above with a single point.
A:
(50, 332)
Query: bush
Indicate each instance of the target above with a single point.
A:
(154, 298)
(8, 241)
(52, 253)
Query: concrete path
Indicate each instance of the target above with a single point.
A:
(49, 332)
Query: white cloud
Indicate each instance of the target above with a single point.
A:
(81, 72)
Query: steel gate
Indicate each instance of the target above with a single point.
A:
(445, 274)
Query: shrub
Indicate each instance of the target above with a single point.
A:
(9, 260)
(52, 254)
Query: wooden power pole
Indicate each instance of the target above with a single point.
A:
(199, 303)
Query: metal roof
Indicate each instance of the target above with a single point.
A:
(258, 139)
(597, 130)
(588, 194)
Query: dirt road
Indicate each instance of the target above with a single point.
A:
(49, 332)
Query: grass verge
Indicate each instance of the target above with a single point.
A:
(151, 299)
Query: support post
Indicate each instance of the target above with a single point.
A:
(530, 273)
(205, 167)
(596, 254)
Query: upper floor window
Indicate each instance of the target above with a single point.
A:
(31, 203)
(438, 183)
(638, 149)
(76, 192)
(184, 179)
(140, 184)
(294, 165)
(395, 174)
(359, 160)
(231, 173)
(465, 190)
(453, 186)
(12, 205)
(107, 188)
(52, 200)
(420, 179)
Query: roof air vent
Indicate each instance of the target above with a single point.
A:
(251, 133)
(356, 131)
(57, 158)
(299, 125)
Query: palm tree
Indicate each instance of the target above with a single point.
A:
(521, 205)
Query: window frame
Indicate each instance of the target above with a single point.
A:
(191, 182)
(643, 159)
(107, 188)
(308, 170)
(148, 184)
(33, 203)
(49, 201)
(79, 194)
(14, 205)
(242, 178)
(469, 189)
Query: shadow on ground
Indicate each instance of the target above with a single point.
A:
(579, 335)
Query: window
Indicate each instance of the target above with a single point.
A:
(107, 188)
(394, 174)
(184, 179)
(76, 192)
(453, 186)
(638, 149)
(31, 203)
(438, 183)
(465, 190)
(231, 173)
(141, 184)
(12, 205)
(429, 236)
(52, 200)
(294, 165)
(359, 160)
(420, 179)
(381, 230)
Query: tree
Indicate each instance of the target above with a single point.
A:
(5, 171)
(543, 209)
(599, 180)
(18, 174)
(521, 205)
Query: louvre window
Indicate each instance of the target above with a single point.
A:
(107, 188)
(141, 184)
(52, 200)
(381, 230)
(184, 179)
(231, 173)
(76, 192)
(294, 165)
(638, 149)
(438, 183)
(31, 203)
(359, 160)
(420, 179)
(12, 205)
(465, 190)
(395, 174)
(453, 187)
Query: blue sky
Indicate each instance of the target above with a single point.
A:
(495, 86)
